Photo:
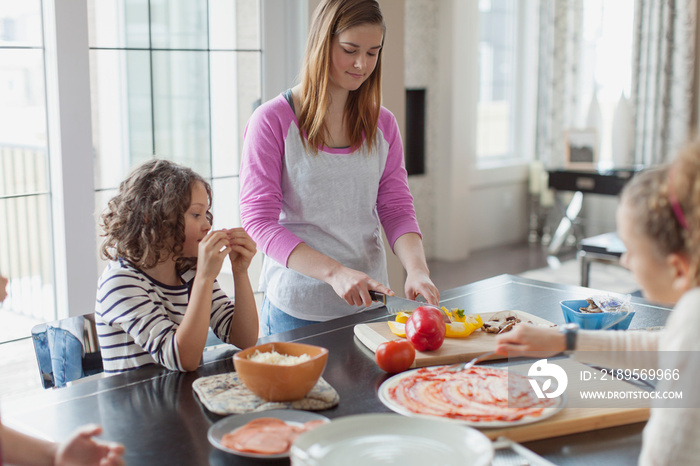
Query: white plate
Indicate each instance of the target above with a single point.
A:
(392, 405)
(227, 424)
(381, 439)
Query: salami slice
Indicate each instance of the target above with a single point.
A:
(265, 436)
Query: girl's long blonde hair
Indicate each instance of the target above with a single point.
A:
(685, 187)
(652, 195)
(361, 114)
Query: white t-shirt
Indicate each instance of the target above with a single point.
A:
(672, 435)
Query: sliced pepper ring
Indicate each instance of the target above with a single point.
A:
(397, 328)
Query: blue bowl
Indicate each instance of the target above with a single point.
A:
(597, 321)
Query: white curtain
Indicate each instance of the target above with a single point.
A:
(560, 37)
(663, 77)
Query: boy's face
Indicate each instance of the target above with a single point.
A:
(652, 270)
(196, 223)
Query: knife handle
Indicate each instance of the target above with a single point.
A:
(377, 296)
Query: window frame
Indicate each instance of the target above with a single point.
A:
(70, 132)
(70, 155)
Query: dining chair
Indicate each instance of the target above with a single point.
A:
(67, 350)
(63, 355)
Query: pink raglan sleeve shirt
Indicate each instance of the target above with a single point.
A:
(394, 200)
(261, 178)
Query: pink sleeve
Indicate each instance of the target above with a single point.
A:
(394, 200)
(261, 177)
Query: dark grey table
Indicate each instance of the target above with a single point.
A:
(157, 416)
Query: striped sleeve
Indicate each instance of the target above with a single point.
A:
(133, 325)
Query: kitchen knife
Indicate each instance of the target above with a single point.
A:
(395, 304)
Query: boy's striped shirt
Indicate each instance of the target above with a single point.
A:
(137, 317)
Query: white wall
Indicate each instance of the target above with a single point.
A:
(461, 207)
(421, 71)
(498, 207)
(283, 42)
(394, 98)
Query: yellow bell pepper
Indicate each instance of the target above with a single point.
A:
(397, 328)
(447, 311)
(475, 320)
(471, 323)
(458, 330)
(455, 315)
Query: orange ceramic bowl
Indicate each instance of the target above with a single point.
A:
(275, 382)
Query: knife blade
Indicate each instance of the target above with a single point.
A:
(394, 304)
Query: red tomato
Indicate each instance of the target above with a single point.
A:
(395, 356)
(425, 329)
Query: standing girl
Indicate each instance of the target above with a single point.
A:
(659, 222)
(323, 171)
(159, 294)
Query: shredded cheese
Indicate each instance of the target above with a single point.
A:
(273, 357)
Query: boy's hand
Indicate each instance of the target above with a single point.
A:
(242, 249)
(83, 450)
(212, 251)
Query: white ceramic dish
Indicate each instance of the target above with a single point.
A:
(389, 403)
(382, 439)
(229, 423)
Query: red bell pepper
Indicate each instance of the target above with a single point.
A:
(425, 329)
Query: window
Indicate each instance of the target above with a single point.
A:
(175, 78)
(496, 111)
(178, 79)
(25, 190)
(507, 55)
(606, 68)
(506, 58)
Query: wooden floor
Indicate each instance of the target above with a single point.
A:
(19, 374)
(511, 259)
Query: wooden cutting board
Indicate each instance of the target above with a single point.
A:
(602, 414)
(453, 350)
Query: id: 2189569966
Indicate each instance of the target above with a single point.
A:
(626, 374)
